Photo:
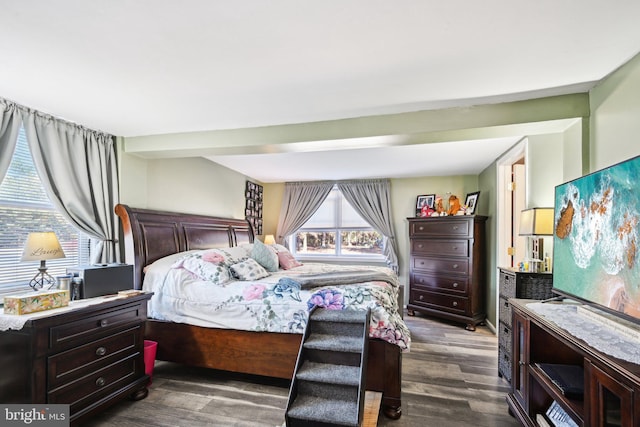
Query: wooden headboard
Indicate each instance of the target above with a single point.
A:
(150, 235)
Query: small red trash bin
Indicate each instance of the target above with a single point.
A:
(150, 348)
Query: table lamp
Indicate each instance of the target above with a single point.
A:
(41, 246)
(269, 239)
(536, 222)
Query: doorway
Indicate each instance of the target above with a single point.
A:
(511, 199)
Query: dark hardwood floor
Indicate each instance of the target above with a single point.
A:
(450, 378)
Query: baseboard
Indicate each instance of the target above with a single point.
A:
(491, 327)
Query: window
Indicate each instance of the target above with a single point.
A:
(336, 230)
(25, 207)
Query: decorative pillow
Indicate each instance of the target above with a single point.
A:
(279, 248)
(287, 261)
(206, 265)
(235, 254)
(265, 256)
(249, 269)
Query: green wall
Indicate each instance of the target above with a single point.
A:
(607, 135)
(615, 117)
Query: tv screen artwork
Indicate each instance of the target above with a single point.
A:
(595, 243)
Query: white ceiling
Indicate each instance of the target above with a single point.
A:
(147, 67)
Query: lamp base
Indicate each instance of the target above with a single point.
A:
(42, 278)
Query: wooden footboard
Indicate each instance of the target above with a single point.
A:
(267, 354)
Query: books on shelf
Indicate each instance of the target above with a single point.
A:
(558, 417)
(543, 421)
(568, 378)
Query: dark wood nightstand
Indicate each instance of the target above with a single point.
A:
(88, 357)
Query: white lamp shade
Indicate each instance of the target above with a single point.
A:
(42, 246)
(536, 222)
(269, 239)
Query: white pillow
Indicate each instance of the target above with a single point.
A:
(249, 269)
(279, 248)
(206, 265)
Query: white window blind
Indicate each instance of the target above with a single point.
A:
(25, 207)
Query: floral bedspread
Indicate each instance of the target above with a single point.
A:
(268, 306)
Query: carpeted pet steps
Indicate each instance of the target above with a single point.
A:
(328, 386)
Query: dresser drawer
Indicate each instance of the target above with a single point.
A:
(504, 363)
(99, 383)
(440, 247)
(457, 266)
(507, 284)
(505, 311)
(450, 303)
(67, 365)
(504, 336)
(87, 328)
(440, 283)
(450, 227)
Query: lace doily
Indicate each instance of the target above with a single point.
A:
(17, 322)
(601, 337)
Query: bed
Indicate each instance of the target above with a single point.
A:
(153, 238)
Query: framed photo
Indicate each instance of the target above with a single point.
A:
(471, 202)
(425, 200)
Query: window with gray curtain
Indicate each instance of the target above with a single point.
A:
(75, 168)
(336, 230)
(370, 199)
(78, 169)
(25, 208)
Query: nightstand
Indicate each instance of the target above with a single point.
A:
(88, 355)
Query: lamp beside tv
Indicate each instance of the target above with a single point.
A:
(536, 222)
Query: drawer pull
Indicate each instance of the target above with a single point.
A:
(421, 297)
(101, 351)
(455, 227)
(455, 285)
(455, 265)
(455, 303)
(100, 382)
(455, 248)
(420, 246)
(104, 322)
(421, 228)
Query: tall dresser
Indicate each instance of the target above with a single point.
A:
(447, 268)
(516, 284)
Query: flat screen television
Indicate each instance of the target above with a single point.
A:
(596, 258)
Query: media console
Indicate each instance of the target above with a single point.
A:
(611, 394)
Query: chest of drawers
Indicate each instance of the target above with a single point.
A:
(447, 268)
(87, 357)
(516, 284)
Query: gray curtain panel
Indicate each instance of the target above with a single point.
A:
(372, 200)
(299, 202)
(78, 168)
(10, 121)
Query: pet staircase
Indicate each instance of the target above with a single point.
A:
(328, 385)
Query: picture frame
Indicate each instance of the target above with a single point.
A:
(471, 202)
(425, 200)
(253, 208)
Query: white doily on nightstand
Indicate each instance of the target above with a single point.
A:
(13, 321)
